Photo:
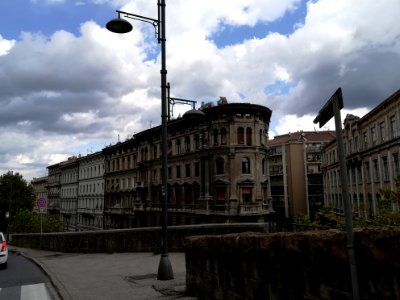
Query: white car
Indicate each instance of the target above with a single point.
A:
(3, 251)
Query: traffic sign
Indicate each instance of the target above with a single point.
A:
(41, 202)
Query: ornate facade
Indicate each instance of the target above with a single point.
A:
(217, 170)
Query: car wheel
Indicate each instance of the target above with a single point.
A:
(3, 266)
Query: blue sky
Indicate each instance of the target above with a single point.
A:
(231, 35)
(47, 18)
(69, 87)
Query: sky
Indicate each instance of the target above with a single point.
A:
(70, 87)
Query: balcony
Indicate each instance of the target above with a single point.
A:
(118, 211)
(253, 209)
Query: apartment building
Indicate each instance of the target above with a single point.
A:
(296, 180)
(69, 193)
(53, 190)
(217, 170)
(39, 185)
(372, 151)
(91, 191)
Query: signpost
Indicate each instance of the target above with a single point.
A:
(332, 109)
(41, 203)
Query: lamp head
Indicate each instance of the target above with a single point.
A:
(119, 25)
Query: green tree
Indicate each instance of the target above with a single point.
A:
(29, 222)
(15, 194)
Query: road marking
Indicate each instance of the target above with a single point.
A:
(34, 292)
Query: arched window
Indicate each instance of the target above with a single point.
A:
(248, 136)
(245, 165)
(215, 137)
(223, 136)
(220, 166)
(240, 135)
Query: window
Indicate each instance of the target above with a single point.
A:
(263, 166)
(155, 152)
(376, 170)
(240, 136)
(393, 126)
(223, 136)
(169, 148)
(373, 136)
(187, 170)
(365, 140)
(187, 144)
(220, 166)
(248, 135)
(367, 172)
(215, 137)
(245, 165)
(356, 143)
(385, 168)
(197, 169)
(197, 141)
(382, 131)
(261, 137)
(396, 165)
(246, 195)
(178, 171)
(178, 146)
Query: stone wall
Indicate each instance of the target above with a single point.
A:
(127, 240)
(303, 265)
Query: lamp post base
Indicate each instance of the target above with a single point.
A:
(165, 269)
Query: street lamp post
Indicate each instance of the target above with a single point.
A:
(120, 25)
(172, 101)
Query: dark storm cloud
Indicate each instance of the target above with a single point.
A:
(366, 80)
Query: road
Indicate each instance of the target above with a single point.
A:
(23, 280)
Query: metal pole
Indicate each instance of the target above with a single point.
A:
(346, 200)
(164, 269)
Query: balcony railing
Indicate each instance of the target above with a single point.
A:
(253, 209)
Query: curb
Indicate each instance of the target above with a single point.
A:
(62, 293)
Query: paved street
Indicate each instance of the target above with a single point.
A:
(110, 276)
(24, 280)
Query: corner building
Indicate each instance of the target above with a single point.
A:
(217, 170)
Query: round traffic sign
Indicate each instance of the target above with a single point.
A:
(41, 202)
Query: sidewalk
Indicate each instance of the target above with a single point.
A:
(116, 276)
